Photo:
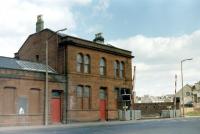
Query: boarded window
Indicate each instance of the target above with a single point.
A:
(34, 101)
(9, 100)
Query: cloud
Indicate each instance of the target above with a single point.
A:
(18, 18)
(158, 59)
(102, 5)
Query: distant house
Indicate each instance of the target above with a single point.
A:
(191, 94)
(196, 94)
(187, 93)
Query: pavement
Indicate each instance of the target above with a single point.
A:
(92, 124)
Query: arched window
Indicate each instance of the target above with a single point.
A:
(116, 68)
(86, 64)
(102, 68)
(79, 91)
(121, 72)
(79, 62)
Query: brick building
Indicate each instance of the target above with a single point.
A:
(22, 91)
(97, 78)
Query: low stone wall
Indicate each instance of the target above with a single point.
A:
(153, 108)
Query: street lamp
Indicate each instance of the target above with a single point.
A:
(182, 84)
(46, 73)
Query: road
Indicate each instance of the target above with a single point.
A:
(172, 126)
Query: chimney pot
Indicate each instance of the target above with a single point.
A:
(99, 38)
(39, 23)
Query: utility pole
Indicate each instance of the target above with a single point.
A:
(182, 84)
(47, 75)
(175, 96)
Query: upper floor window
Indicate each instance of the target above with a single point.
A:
(121, 67)
(102, 64)
(79, 62)
(116, 68)
(86, 64)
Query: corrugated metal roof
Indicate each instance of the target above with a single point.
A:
(12, 63)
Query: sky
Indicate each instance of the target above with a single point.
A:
(160, 33)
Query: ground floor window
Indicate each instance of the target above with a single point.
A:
(34, 101)
(123, 98)
(8, 100)
(83, 97)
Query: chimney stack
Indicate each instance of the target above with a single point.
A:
(99, 38)
(39, 23)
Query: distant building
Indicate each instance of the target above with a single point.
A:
(154, 99)
(191, 94)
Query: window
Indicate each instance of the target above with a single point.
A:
(83, 63)
(8, 100)
(121, 67)
(79, 61)
(187, 93)
(86, 92)
(86, 64)
(37, 58)
(83, 97)
(102, 93)
(116, 68)
(34, 101)
(102, 69)
(79, 91)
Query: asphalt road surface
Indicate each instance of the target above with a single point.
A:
(174, 126)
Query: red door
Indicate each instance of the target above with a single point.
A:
(102, 110)
(56, 110)
(102, 104)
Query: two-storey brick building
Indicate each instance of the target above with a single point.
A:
(98, 77)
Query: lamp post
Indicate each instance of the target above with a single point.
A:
(175, 96)
(182, 84)
(46, 73)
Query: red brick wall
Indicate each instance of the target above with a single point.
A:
(23, 82)
(95, 81)
(35, 45)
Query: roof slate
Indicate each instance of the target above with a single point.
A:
(12, 63)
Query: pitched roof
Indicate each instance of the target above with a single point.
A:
(86, 43)
(12, 63)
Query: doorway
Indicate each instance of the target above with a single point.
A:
(56, 106)
(102, 104)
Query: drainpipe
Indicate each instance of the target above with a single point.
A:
(65, 107)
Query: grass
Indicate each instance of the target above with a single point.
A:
(194, 113)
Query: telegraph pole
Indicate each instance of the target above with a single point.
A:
(175, 96)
